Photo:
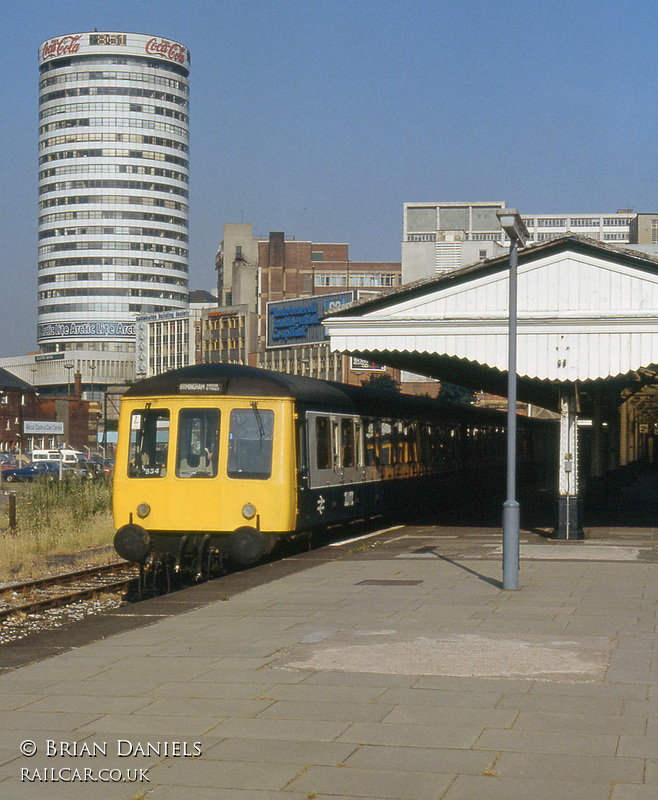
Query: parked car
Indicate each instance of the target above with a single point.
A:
(34, 470)
(95, 467)
(100, 467)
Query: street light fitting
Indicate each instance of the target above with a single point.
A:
(513, 225)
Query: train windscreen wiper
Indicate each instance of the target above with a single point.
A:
(259, 421)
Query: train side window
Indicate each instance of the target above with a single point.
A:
(149, 444)
(412, 443)
(358, 439)
(388, 444)
(335, 427)
(371, 443)
(323, 442)
(198, 443)
(250, 438)
(347, 442)
(402, 448)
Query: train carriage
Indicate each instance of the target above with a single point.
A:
(217, 461)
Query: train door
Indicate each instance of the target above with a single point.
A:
(336, 465)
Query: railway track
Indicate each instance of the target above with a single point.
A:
(57, 591)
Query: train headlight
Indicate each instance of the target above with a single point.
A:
(248, 511)
(143, 510)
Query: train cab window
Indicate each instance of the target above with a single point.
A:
(149, 444)
(323, 442)
(251, 433)
(347, 442)
(198, 443)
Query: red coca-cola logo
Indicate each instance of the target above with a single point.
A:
(163, 47)
(61, 46)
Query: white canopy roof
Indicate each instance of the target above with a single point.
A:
(587, 311)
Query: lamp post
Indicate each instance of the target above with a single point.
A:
(68, 367)
(512, 224)
(92, 368)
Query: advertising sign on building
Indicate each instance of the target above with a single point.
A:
(299, 321)
(363, 365)
(139, 44)
(97, 329)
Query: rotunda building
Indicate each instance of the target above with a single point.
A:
(113, 187)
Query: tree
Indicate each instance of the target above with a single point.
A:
(382, 381)
(459, 395)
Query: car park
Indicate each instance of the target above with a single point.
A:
(34, 470)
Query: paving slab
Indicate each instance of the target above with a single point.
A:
(394, 671)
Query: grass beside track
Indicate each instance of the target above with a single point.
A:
(65, 523)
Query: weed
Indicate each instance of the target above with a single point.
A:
(365, 547)
(53, 519)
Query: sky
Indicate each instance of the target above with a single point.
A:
(321, 118)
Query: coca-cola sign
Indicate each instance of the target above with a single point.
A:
(166, 49)
(61, 46)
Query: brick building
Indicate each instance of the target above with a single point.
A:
(307, 271)
(31, 422)
(18, 402)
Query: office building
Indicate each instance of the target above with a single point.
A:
(441, 237)
(113, 191)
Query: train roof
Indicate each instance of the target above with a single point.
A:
(236, 380)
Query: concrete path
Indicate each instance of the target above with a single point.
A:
(393, 667)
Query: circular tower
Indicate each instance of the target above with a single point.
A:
(113, 187)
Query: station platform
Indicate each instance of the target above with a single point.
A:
(393, 666)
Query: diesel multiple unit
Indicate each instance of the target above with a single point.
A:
(221, 461)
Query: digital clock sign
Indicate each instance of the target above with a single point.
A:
(107, 39)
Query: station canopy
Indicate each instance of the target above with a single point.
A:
(587, 316)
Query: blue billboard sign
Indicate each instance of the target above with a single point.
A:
(299, 321)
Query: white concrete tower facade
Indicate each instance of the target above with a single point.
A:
(113, 187)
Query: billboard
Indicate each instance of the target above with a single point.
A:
(363, 365)
(298, 321)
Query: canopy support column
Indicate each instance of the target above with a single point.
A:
(570, 504)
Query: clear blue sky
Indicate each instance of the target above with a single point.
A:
(321, 118)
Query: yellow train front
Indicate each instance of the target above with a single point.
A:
(205, 468)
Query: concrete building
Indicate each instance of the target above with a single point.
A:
(644, 229)
(230, 335)
(113, 196)
(441, 237)
(236, 263)
(172, 339)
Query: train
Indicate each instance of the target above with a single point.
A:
(219, 462)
